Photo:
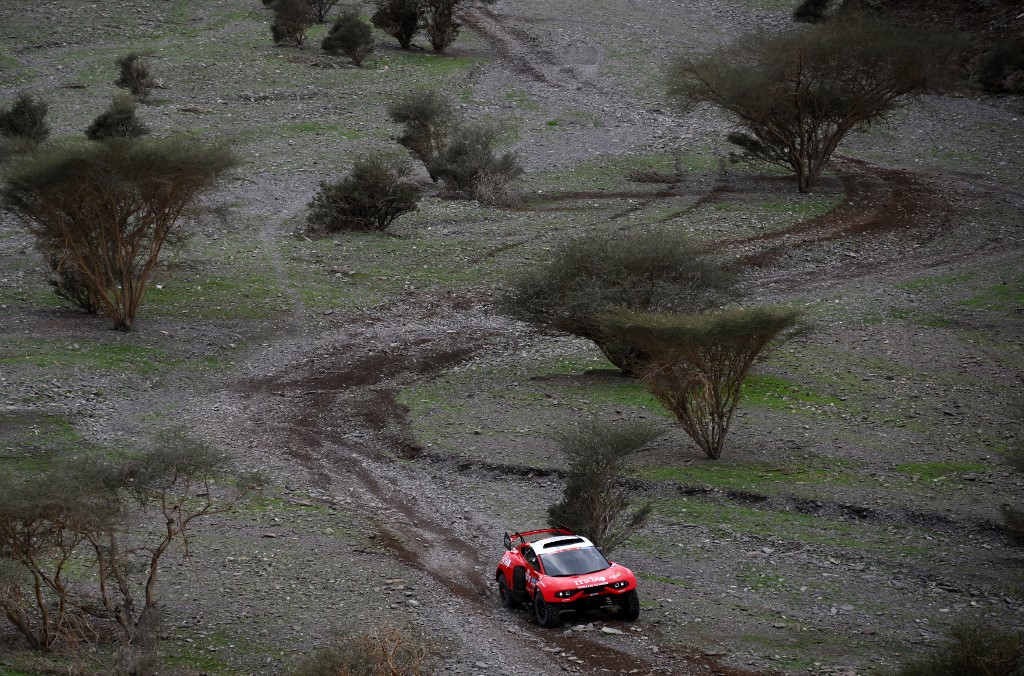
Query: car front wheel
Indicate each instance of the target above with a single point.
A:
(547, 615)
(629, 606)
(505, 595)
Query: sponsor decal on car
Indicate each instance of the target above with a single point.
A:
(587, 581)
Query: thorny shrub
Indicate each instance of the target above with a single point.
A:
(371, 197)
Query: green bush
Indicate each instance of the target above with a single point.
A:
(470, 168)
(25, 120)
(292, 21)
(370, 198)
(593, 503)
(351, 36)
(1001, 70)
(320, 8)
(654, 271)
(428, 118)
(438, 20)
(69, 283)
(973, 649)
(398, 18)
(811, 11)
(117, 121)
(383, 651)
(134, 76)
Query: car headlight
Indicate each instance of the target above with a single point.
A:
(621, 584)
(565, 594)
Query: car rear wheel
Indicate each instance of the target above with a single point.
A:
(505, 595)
(547, 615)
(629, 606)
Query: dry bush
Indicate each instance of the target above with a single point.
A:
(292, 21)
(593, 503)
(134, 76)
(320, 8)
(385, 651)
(69, 283)
(973, 649)
(696, 363)
(117, 121)
(110, 208)
(25, 120)
(468, 158)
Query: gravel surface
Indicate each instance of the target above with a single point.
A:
(406, 423)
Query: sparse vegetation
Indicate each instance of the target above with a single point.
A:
(696, 363)
(51, 522)
(470, 168)
(438, 20)
(973, 649)
(429, 118)
(398, 18)
(25, 120)
(134, 76)
(796, 94)
(376, 193)
(320, 8)
(384, 651)
(292, 21)
(1001, 69)
(109, 208)
(594, 504)
(811, 11)
(659, 271)
(351, 36)
(117, 121)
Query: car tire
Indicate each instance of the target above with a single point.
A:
(519, 581)
(547, 615)
(629, 606)
(505, 595)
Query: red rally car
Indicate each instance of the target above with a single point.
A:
(561, 573)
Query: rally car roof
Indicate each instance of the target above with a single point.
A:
(560, 543)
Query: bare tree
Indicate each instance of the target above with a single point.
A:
(320, 8)
(697, 363)
(110, 208)
(795, 95)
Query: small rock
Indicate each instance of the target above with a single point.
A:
(611, 630)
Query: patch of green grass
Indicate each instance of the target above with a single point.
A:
(625, 391)
(1001, 296)
(936, 282)
(30, 441)
(780, 394)
(929, 471)
(243, 295)
(439, 66)
(754, 476)
(100, 355)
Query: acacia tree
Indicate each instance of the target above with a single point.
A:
(77, 512)
(795, 95)
(109, 208)
(593, 503)
(697, 363)
(586, 278)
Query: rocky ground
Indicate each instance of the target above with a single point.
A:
(406, 423)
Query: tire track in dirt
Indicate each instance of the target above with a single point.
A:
(334, 412)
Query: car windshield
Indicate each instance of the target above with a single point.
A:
(574, 562)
